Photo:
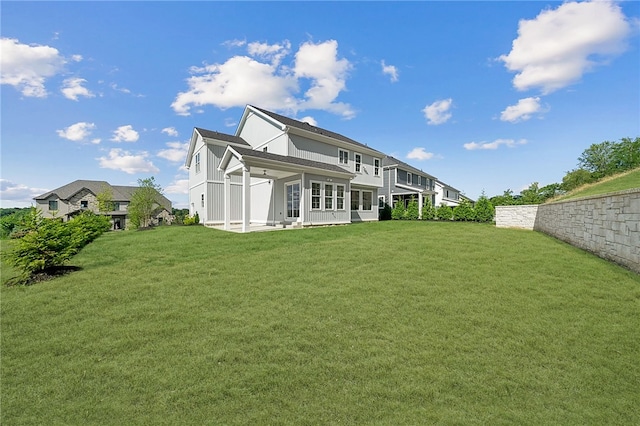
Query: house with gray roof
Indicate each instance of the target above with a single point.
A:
(279, 171)
(81, 195)
(403, 183)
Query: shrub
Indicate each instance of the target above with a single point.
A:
(413, 211)
(464, 211)
(428, 211)
(385, 213)
(87, 226)
(196, 218)
(398, 211)
(484, 209)
(444, 212)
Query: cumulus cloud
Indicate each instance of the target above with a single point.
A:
(176, 152)
(260, 79)
(511, 143)
(27, 67)
(521, 111)
(72, 88)
(125, 134)
(438, 112)
(122, 160)
(178, 186)
(78, 132)
(171, 131)
(18, 195)
(557, 47)
(420, 154)
(391, 71)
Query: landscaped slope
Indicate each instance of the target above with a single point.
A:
(382, 323)
(620, 182)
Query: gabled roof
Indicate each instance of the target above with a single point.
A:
(390, 161)
(119, 192)
(275, 158)
(212, 134)
(290, 122)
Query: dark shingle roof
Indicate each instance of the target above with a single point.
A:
(211, 134)
(392, 161)
(308, 127)
(246, 152)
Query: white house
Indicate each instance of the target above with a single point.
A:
(447, 195)
(279, 171)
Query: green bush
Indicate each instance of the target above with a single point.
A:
(385, 213)
(444, 212)
(413, 211)
(464, 211)
(398, 212)
(428, 211)
(87, 226)
(484, 209)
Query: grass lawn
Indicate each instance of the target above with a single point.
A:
(381, 323)
(620, 182)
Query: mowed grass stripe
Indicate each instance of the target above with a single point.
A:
(381, 323)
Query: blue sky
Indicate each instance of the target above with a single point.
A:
(486, 96)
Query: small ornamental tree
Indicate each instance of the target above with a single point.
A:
(464, 211)
(413, 211)
(444, 212)
(144, 201)
(428, 211)
(398, 211)
(484, 209)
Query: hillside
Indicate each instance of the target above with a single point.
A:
(621, 182)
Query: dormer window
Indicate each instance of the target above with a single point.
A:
(343, 156)
(358, 161)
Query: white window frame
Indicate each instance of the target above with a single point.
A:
(330, 197)
(343, 198)
(357, 159)
(376, 167)
(409, 179)
(370, 201)
(383, 199)
(197, 158)
(319, 196)
(343, 156)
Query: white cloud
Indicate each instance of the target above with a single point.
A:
(511, 143)
(78, 132)
(76, 58)
(420, 154)
(72, 88)
(171, 131)
(522, 111)
(391, 71)
(556, 48)
(175, 153)
(310, 120)
(119, 159)
(125, 134)
(18, 195)
(245, 80)
(234, 43)
(26, 67)
(438, 112)
(178, 186)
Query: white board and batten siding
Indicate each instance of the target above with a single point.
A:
(257, 132)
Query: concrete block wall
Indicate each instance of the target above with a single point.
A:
(606, 225)
(523, 217)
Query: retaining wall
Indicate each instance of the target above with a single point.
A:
(607, 225)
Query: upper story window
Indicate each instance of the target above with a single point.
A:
(84, 204)
(53, 205)
(409, 179)
(344, 156)
(358, 161)
(116, 206)
(198, 163)
(376, 167)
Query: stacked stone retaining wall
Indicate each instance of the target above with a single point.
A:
(607, 225)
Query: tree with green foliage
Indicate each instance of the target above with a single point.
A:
(506, 199)
(398, 211)
(598, 159)
(144, 202)
(105, 199)
(576, 178)
(444, 212)
(180, 214)
(413, 210)
(428, 211)
(531, 195)
(464, 211)
(484, 209)
(385, 212)
(626, 154)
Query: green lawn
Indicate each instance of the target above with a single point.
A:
(381, 323)
(621, 182)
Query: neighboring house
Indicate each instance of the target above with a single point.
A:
(402, 182)
(81, 195)
(278, 171)
(448, 195)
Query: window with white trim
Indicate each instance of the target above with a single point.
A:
(381, 201)
(367, 200)
(376, 167)
(340, 197)
(358, 161)
(53, 204)
(315, 195)
(198, 163)
(355, 200)
(344, 156)
(328, 196)
(408, 178)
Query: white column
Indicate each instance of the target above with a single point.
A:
(227, 202)
(420, 201)
(246, 199)
(303, 216)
